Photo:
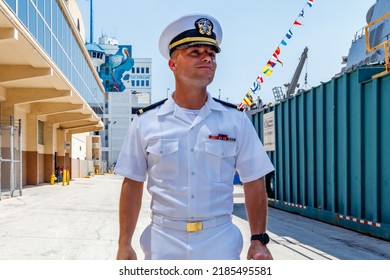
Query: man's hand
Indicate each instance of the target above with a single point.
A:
(258, 251)
(129, 207)
(126, 253)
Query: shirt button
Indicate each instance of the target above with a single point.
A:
(192, 149)
(192, 196)
(192, 173)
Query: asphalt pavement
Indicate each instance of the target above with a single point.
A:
(80, 222)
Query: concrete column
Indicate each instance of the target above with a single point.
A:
(48, 160)
(32, 160)
(60, 147)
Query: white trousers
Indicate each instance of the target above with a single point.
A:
(223, 242)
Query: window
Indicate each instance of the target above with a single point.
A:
(41, 6)
(12, 4)
(137, 70)
(142, 70)
(47, 40)
(147, 70)
(32, 20)
(48, 12)
(147, 83)
(54, 25)
(41, 31)
(41, 132)
(22, 12)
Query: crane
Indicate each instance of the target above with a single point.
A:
(294, 81)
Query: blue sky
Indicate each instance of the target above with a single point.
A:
(252, 29)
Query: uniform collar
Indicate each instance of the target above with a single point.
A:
(169, 105)
(214, 105)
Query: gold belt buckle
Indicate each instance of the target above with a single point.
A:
(194, 226)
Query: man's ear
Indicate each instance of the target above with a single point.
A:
(172, 64)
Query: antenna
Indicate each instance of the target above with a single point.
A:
(91, 21)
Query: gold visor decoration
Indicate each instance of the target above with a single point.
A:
(193, 39)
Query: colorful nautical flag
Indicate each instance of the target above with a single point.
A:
(289, 34)
(241, 106)
(271, 63)
(297, 23)
(268, 72)
(256, 87)
(275, 56)
(248, 100)
(268, 68)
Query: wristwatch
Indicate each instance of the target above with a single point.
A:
(262, 237)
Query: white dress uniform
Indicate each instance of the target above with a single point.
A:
(190, 165)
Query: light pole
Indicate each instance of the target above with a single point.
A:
(219, 94)
(168, 91)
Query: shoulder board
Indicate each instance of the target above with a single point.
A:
(227, 104)
(154, 105)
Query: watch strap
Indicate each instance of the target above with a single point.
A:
(262, 237)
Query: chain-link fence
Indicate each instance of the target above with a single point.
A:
(10, 159)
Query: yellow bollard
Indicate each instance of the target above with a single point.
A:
(53, 178)
(68, 177)
(63, 177)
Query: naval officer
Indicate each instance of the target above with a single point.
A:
(188, 147)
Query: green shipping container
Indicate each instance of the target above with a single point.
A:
(331, 149)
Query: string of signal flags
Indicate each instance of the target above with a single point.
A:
(275, 59)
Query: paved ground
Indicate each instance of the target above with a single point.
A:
(80, 222)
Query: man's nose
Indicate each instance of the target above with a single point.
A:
(206, 58)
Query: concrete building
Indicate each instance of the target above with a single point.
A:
(128, 86)
(48, 85)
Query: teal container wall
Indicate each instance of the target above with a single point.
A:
(332, 154)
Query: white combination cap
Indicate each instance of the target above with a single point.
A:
(195, 29)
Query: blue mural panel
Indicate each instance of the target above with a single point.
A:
(114, 69)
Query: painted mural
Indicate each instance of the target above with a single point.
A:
(114, 68)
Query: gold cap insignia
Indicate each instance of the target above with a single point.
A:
(204, 25)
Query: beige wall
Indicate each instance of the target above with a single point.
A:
(33, 88)
(76, 14)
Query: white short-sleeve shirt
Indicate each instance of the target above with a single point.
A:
(190, 164)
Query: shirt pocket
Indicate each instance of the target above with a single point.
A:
(220, 160)
(163, 159)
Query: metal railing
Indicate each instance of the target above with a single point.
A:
(10, 158)
(384, 44)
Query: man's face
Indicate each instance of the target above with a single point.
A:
(194, 64)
